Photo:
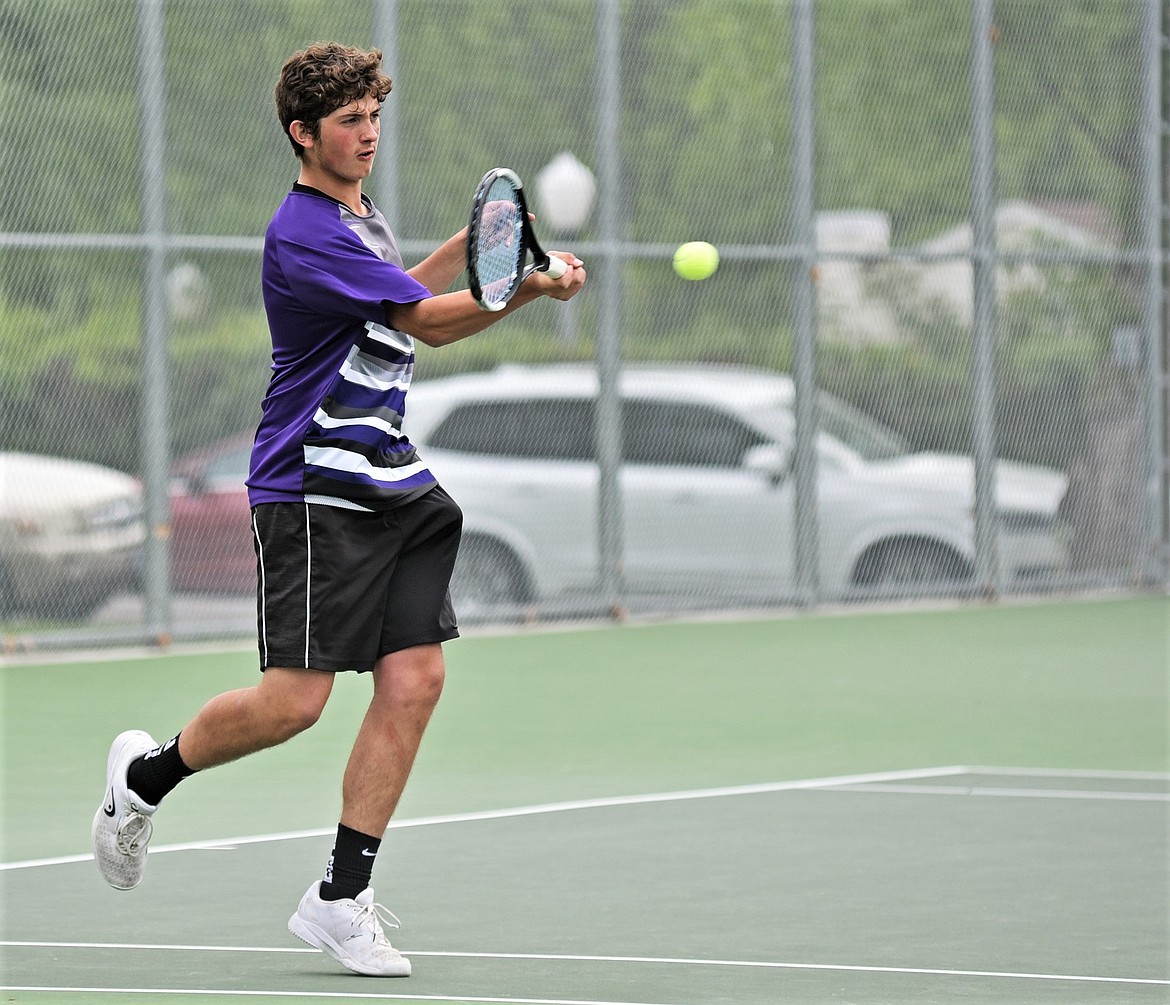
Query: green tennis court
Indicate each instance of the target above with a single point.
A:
(956, 805)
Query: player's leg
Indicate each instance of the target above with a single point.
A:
(409, 676)
(407, 686)
(140, 772)
(295, 618)
(408, 680)
(285, 702)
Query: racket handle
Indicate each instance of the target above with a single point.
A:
(556, 267)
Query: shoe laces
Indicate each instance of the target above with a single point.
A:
(133, 833)
(372, 916)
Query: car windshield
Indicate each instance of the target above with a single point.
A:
(864, 435)
(872, 440)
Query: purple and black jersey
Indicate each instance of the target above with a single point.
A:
(332, 416)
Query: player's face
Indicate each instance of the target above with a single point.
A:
(346, 141)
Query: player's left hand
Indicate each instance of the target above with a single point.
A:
(566, 286)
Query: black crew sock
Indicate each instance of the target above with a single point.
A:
(156, 772)
(350, 865)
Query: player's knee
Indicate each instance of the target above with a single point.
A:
(420, 680)
(296, 715)
(303, 717)
(293, 700)
(426, 682)
(436, 678)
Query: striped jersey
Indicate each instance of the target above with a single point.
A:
(331, 424)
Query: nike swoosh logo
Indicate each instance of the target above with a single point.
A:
(368, 853)
(108, 809)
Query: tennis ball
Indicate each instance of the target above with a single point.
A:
(696, 260)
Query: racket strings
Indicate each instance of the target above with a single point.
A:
(499, 245)
(499, 241)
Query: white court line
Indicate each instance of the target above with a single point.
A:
(1121, 776)
(577, 958)
(844, 783)
(168, 947)
(347, 995)
(565, 957)
(962, 790)
(525, 811)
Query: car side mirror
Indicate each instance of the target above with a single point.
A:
(771, 460)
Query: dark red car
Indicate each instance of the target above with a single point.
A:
(211, 531)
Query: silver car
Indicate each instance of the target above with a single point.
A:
(707, 495)
(71, 533)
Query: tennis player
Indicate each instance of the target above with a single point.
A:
(355, 539)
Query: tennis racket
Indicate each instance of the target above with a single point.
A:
(499, 240)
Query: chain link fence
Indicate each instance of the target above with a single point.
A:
(931, 362)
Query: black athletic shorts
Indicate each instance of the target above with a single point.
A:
(339, 588)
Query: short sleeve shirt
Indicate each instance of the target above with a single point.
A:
(331, 425)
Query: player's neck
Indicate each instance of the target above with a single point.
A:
(343, 190)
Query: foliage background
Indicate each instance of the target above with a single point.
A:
(705, 140)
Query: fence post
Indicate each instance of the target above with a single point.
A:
(804, 326)
(155, 460)
(1156, 310)
(983, 265)
(386, 163)
(609, 337)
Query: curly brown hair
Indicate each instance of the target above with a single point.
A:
(322, 78)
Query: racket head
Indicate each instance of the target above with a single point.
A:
(497, 239)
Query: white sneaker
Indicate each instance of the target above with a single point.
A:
(350, 932)
(121, 826)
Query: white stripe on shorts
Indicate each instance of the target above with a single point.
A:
(308, 580)
(263, 593)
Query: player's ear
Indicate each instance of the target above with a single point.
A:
(300, 132)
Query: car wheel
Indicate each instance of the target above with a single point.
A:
(909, 562)
(487, 576)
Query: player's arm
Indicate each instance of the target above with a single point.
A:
(443, 265)
(449, 317)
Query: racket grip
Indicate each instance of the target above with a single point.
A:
(556, 267)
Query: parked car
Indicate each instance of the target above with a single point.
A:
(211, 529)
(71, 534)
(706, 487)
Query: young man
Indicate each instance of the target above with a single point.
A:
(355, 540)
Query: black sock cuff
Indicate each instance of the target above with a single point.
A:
(349, 836)
(351, 865)
(154, 774)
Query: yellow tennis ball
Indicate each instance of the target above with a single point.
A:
(696, 260)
